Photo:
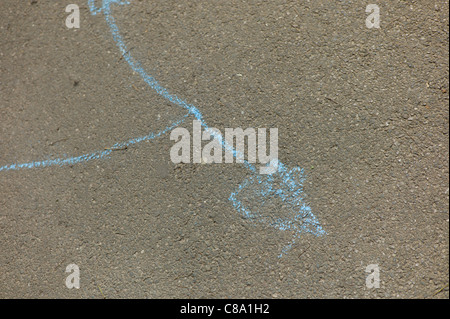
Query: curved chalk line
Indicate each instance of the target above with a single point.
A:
(288, 182)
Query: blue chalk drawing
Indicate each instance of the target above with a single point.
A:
(274, 200)
(92, 156)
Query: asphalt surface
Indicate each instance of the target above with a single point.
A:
(365, 113)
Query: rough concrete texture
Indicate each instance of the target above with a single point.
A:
(363, 111)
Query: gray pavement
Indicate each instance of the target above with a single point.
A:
(365, 113)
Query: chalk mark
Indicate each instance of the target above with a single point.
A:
(252, 196)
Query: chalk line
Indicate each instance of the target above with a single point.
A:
(257, 190)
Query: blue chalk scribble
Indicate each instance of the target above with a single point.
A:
(274, 200)
(277, 200)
